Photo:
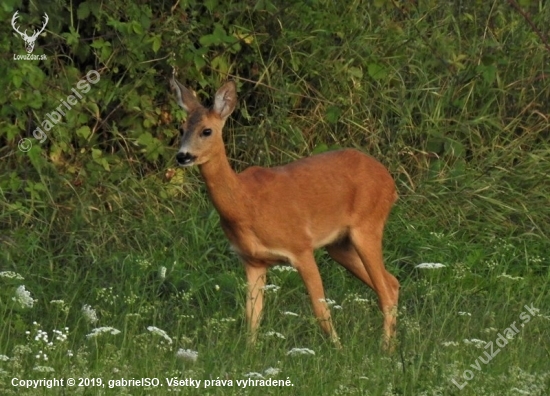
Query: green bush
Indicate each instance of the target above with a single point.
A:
(451, 93)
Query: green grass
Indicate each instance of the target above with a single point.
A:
(113, 262)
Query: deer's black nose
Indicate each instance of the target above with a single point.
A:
(185, 158)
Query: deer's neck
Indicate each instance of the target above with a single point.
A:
(224, 187)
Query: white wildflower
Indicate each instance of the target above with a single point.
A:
(328, 301)
(4, 358)
(23, 297)
(272, 371)
(336, 307)
(288, 313)
(60, 302)
(60, 336)
(273, 288)
(162, 273)
(187, 354)
(11, 275)
(160, 332)
(89, 314)
(284, 268)
(474, 341)
(100, 330)
(361, 300)
(520, 391)
(21, 350)
(44, 369)
(449, 343)
(42, 355)
(143, 263)
(300, 351)
(275, 334)
(41, 335)
(465, 313)
(430, 265)
(505, 275)
(254, 375)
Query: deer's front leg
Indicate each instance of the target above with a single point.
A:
(256, 278)
(308, 270)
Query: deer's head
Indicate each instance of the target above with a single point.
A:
(201, 133)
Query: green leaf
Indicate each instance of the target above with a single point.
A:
(153, 147)
(434, 145)
(17, 80)
(11, 131)
(220, 64)
(157, 41)
(72, 37)
(199, 62)
(97, 156)
(35, 100)
(83, 11)
(100, 43)
(489, 73)
(36, 78)
(333, 114)
(211, 5)
(106, 52)
(355, 72)
(84, 132)
(320, 148)
(94, 107)
(377, 71)
(208, 40)
(145, 139)
(137, 28)
(454, 148)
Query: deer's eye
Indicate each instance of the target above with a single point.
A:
(182, 131)
(206, 132)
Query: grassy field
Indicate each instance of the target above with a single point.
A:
(165, 263)
(119, 278)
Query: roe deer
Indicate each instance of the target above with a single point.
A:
(339, 200)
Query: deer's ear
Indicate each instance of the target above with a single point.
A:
(226, 99)
(186, 99)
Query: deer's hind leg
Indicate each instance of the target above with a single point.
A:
(367, 242)
(344, 253)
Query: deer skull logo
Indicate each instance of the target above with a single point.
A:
(29, 40)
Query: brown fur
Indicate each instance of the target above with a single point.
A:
(339, 200)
